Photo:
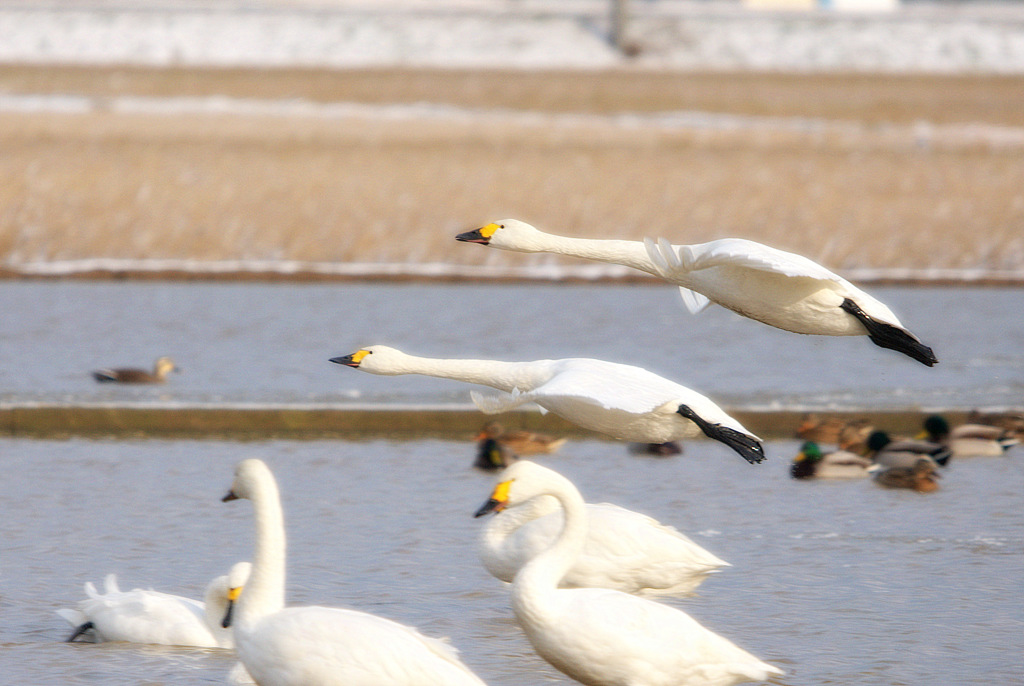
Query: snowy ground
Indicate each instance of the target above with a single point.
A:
(667, 34)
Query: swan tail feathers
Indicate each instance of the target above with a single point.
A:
(886, 335)
(110, 583)
(498, 402)
(694, 301)
(73, 617)
(746, 445)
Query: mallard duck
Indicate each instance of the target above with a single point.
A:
(492, 455)
(886, 452)
(814, 428)
(968, 440)
(1010, 420)
(772, 286)
(520, 442)
(920, 477)
(161, 368)
(811, 463)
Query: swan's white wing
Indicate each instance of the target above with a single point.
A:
(496, 403)
(694, 301)
(739, 252)
(142, 616)
(634, 390)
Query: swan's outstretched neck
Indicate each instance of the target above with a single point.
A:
(627, 253)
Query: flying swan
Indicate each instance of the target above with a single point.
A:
(602, 637)
(776, 287)
(148, 616)
(622, 401)
(624, 550)
(327, 646)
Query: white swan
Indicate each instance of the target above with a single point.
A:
(321, 645)
(602, 637)
(778, 288)
(622, 401)
(148, 616)
(624, 550)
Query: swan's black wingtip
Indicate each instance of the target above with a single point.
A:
(892, 337)
(748, 447)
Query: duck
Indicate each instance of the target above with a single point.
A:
(520, 441)
(328, 646)
(885, 452)
(626, 402)
(599, 636)
(968, 440)
(812, 463)
(161, 368)
(154, 617)
(813, 427)
(624, 550)
(1010, 420)
(772, 286)
(492, 455)
(920, 477)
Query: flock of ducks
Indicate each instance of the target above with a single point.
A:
(912, 463)
(581, 575)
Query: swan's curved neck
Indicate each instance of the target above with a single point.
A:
(504, 376)
(264, 591)
(628, 253)
(543, 573)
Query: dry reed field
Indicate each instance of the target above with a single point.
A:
(840, 168)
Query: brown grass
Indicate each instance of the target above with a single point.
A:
(209, 187)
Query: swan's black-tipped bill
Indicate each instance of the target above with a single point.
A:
(228, 615)
(474, 236)
(490, 506)
(747, 446)
(345, 360)
(892, 337)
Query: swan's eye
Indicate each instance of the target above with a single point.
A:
(501, 226)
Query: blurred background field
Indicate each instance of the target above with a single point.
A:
(197, 146)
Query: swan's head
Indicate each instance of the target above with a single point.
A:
(507, 234)
(249, 474)
(376, 359)
(235, 582)
(522, 482)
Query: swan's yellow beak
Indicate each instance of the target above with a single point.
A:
(498, 500)
(481, 235)
(352, 360)
(233, 594)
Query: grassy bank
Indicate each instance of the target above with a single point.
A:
(873, 188)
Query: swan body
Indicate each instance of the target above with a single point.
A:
(289, 646)
(603, 637)
(624, 550)
(161, 368)
(772, 286)
(626, 402)
(812, 463)
(148, 616)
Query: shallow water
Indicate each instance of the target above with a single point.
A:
(835, 582)
(271, 342)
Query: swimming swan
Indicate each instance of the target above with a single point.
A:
(625, 402)
(320, 645)
(147, 616)
(778, 288)
(624, 550)
(602, 637)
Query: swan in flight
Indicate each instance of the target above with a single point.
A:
(776, 287)
(602, 637)
(624, 550)
(289, 646)
(622, 401)
(148, 616)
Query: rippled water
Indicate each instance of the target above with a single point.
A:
(271, 342)
(837, 583)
